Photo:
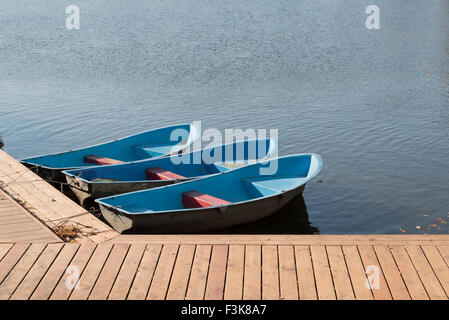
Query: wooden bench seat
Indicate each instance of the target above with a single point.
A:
(102, 161)
(157, 173)
(195, 199)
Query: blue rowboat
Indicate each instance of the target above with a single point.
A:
(149, 144)
(238, 196)
(104, 181)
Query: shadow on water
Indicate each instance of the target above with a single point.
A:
(291, 219)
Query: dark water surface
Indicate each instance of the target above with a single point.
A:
(373, 103)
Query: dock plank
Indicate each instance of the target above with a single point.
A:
(181, 273)
(252, 289)
(438, 265)
(145, 273)
(270, 273)
(234, 276)
(163, 272)
(199, 272)
(48, 204)
(217, 273)
(56, 271)
(69, 280)
(425, 272)
(323, 277)
(137, 271)
(125, 277)
(18, 272)
(392, 275)
(357, 273)
(109, 272)
(10, 259)
(373, 269)
(287, 273)
(18, 225)
(305, 274)
(444, 250)
(4, 248)
(37, 272)
(409, 274)
(91, 272)
(340, 274)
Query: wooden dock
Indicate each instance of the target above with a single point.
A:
(17, 225)
(47, 204)
(35, 264)
(182, 267)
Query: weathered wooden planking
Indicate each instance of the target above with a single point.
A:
(109, 273)
(217, 273)
(91, 272)
(375, 276)
(287, 273)
(252, 288)
(37, 272)
(234, 276)
(305, 274)
(136, 271)
(198, 274)
(54, 274)
(145, 273)
(426, 274)
(357, 273)
(392, 275)
(46, 203)
(323, 277)
(270, 273)
(18, 225)
(438, 265)
(409, 274)
(340, 274)
(298, 240)
(10, 259)
(18, 272)
(181, 273)
(162, 275)
(125, 278)
(69, 279)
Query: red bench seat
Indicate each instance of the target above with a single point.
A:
(195, 199)
(157, 173)
(102, 161)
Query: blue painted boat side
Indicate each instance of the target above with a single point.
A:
(238, 186)
(148, 144)
(190, 165)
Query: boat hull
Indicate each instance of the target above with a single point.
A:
(51, 175)
(88, 192)
(198, 220)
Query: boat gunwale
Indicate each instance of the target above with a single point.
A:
(219, 207)
(24, 160)
(265, 158)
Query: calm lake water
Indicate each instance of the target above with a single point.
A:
(373, 103)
